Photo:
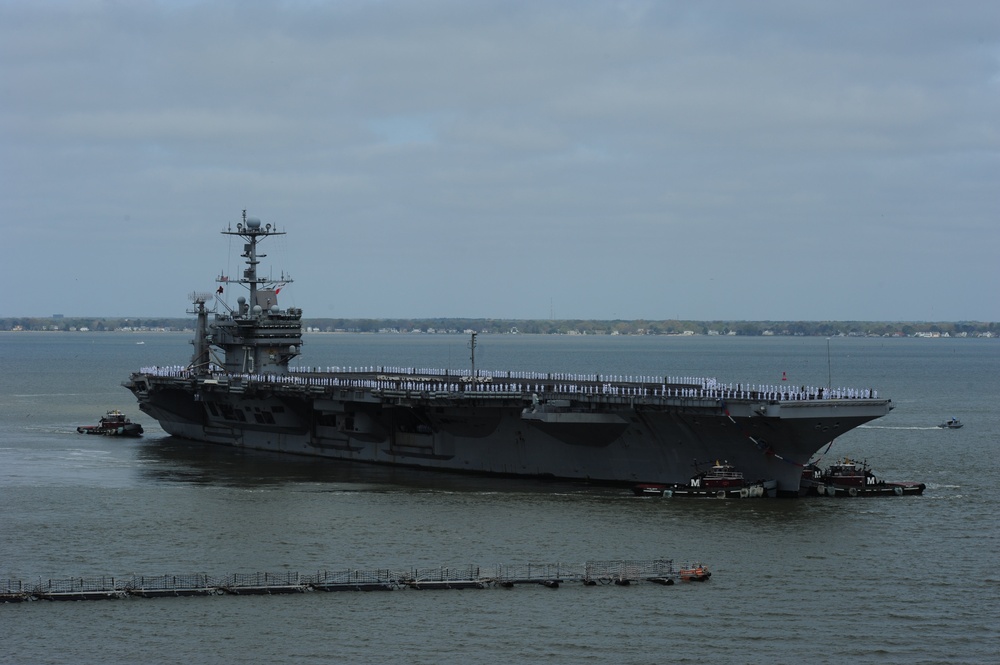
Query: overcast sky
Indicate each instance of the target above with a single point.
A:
(778, 160)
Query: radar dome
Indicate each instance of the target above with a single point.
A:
(253, 223)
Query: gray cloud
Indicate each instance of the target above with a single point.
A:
(769, 160)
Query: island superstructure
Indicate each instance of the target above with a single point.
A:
(240, 390)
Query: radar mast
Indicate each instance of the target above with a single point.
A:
(256, 336)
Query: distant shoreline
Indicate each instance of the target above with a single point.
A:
(459, 326)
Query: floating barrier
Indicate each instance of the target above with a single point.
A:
(355, 580)
(592, 573)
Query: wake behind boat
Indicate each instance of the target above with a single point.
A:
(241, 390)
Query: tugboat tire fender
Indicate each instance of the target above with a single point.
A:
(667, 494)
(744, 492)
(721, 494)
(898, 490)
(853, 491)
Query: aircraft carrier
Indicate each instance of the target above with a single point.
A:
(241, 390)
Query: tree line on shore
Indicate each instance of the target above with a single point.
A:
(540, 326)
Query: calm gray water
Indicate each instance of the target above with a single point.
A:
(890, 580)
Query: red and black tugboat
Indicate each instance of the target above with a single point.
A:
(698, 572)
(114, 423)
(721, 481)
(849, 478)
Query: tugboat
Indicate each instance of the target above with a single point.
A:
(721, 481)
(114, 423)
(699, 572)
(847, 478)
(951, 423)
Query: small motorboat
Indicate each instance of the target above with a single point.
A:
(849, 478)
(721, 481)
(696, 573)
(951, 423)
(114, 423)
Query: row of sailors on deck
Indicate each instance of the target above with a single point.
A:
(718, 391)
(507, 374)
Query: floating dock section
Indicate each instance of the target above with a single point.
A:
(592, 573)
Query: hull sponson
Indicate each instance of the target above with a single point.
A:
(621, 433)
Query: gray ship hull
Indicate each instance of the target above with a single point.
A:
(619, 434)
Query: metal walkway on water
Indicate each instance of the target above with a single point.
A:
(592, 573)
